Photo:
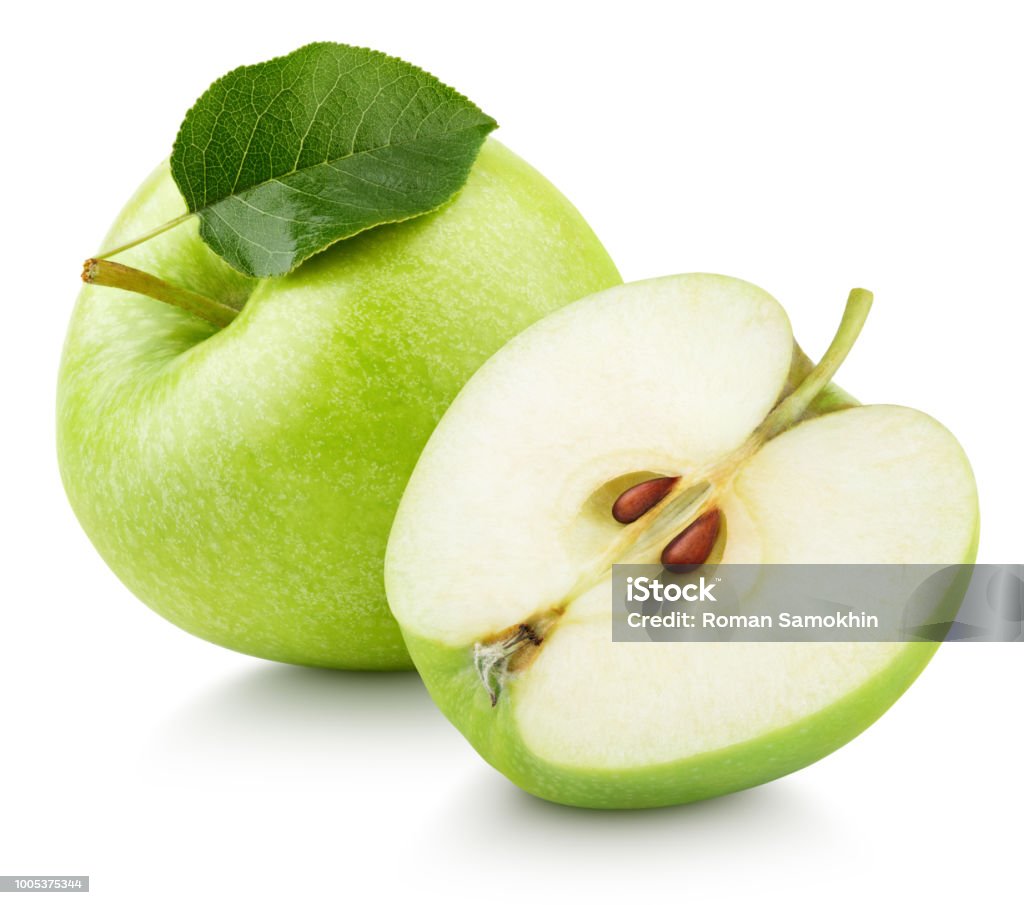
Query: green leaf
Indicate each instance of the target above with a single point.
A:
(284, 158)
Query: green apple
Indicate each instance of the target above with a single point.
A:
(670, 419)
(242, 482)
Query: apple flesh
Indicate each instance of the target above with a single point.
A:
(242, 482)
(499, 560)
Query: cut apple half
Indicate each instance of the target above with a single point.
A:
(671, 419)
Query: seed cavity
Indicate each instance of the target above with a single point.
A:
(641, 498)
(693, 545)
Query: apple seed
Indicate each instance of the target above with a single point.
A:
(640, 498)
(692, 546)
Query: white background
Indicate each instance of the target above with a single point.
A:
(805, 147)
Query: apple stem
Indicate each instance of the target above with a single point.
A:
(145, 237)
(796, 403)
(99, 272)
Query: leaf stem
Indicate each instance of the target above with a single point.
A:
(98, 272)
(170, 224)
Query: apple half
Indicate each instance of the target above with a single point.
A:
(692, 389)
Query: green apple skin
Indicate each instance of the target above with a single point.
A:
(455, 687)
(454, 684)
(242, 483)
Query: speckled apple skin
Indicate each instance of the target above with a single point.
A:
(455, 687)
(242, 483)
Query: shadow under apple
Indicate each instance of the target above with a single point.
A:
(777, 816)
(273, 718)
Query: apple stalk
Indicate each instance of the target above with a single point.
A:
(101, 272)
(787, 412)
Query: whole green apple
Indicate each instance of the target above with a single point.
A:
(242, 482)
